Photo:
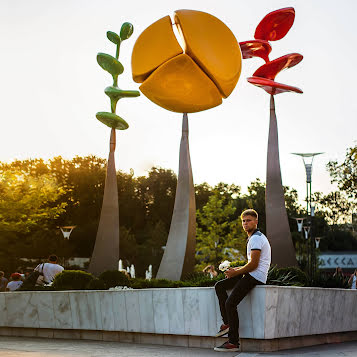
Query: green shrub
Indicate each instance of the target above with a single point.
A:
(140, 283)
(323, 280)
(238, 263)
(96, 284)
(112, 278)
(291, 276)
(72, 280)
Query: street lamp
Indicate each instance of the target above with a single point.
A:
(308, 159)
(66, 231)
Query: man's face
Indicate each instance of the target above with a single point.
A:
(249, 223)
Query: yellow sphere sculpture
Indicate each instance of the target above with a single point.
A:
(191, 79)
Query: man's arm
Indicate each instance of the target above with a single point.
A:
(250, 266)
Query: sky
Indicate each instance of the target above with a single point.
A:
(51, 87)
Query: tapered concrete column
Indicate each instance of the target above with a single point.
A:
(106, 250)
(278, 230)
(179, 255)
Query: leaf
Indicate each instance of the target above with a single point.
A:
(113, 37)
(110, 64)
(116, 93)
(126, 30)
(112, 120)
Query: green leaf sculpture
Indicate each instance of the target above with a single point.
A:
(115, 68)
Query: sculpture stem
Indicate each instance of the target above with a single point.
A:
(179, 255)
(277, 223)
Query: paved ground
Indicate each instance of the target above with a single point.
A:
(36, 347)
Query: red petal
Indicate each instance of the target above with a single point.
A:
(255, 48)
(275, 25)
(272, 87)
(271, 69)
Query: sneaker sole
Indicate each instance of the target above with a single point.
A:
(223, 332)
(218, 349)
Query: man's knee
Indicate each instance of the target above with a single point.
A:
(219, 286)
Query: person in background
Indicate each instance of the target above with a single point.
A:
(338, 272)
(353, 280)
(209, 270)
(3, 281)
(15, 282)
(49, 270)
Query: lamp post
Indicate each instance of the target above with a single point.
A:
(300, 222)
(308, 159)
(66, 231)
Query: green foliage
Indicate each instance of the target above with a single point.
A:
(112, 278)
(72, 280)
(96, 284)
(219, 232)
(291, 276)
(140, 283)
(345, 173)
(27, 202)
(323, 280)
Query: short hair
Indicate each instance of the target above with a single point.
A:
(249, 212)
(53, 258)
(2, 273)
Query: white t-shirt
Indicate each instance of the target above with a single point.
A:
(258, 241)
(354, 282)
(14, 285)
(50, 270)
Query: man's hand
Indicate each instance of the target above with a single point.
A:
(230, 273)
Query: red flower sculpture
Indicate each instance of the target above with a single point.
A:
(273, 27)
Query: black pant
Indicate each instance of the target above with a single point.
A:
(241, 285)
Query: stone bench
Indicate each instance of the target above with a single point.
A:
(271, 317)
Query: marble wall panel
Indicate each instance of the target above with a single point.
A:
(350, 309)
(326, 318)
(283, 322)
(271, 303)
(119, 311)
(44, 305)
(207, 316)
(83, 312)
(30, 312)
(317, 310)
(3, 311)
(161, 311)
(338, 315)
(191, 311)
(132, 310)
(294, 311)
(16, 304)
(175, 306)
(257, 298)
(62, 310)
(353, 325)
(146, 308)
(93, 298)
(218, 312)
(308, 299)
(245, 317)
(106, 308)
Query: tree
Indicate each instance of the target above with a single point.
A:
(28, 202)
(219, 232)
(345, 174)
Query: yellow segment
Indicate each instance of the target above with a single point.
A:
(181, 86)
(213, 46)
(154, 46)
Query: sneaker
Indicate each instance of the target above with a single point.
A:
(227, 347)
(224, 329)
